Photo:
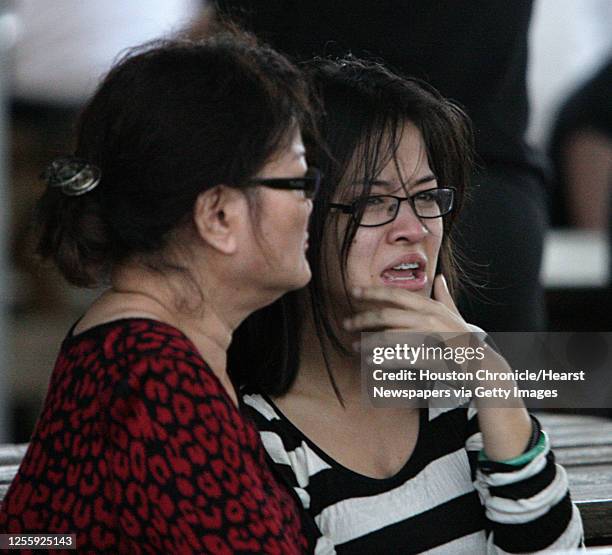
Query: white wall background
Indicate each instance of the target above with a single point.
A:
(64, 46)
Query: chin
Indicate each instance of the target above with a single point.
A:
(296, 280)
(304, 278)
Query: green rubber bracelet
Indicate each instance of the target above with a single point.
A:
(523, 459)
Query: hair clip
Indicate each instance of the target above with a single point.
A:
(72, 175)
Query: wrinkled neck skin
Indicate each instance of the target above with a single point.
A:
(206, 309)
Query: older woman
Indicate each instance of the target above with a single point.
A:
(455, 479)
(189, 196)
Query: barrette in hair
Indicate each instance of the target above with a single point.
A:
(72, 175)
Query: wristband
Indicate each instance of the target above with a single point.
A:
(536, 445)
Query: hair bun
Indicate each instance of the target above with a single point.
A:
(72, 175)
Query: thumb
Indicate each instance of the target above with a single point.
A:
(442, 294)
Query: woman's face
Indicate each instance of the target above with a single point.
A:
(283, 216)
(402, 253)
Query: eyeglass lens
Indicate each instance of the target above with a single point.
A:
(378, 210)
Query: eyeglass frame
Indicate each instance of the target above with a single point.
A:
(313, 175)
(353, 210)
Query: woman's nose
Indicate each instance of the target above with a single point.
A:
(407, 225)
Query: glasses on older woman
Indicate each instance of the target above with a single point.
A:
(309, 183)
(375, 210)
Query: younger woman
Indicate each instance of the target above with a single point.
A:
(477, 479)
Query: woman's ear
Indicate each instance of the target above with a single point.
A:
(218, 215)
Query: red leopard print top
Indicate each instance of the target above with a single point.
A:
(139, 449)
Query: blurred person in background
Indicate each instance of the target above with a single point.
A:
(476, 54)
(581, 191)
(570, 46)
(581, 152)
(568, 42)
(188, 197)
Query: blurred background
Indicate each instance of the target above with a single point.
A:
(52, 55)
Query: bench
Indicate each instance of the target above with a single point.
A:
(582, 444)
(10, 457)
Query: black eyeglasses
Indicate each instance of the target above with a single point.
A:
(309, 183)
(375, 210)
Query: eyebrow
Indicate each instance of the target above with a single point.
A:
(390, 184)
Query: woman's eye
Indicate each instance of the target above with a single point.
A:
(373, 201)
(425, 197)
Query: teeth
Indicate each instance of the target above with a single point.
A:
(403, 278)
(406, 266)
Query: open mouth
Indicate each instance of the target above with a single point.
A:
(403, 272)
(410, 274)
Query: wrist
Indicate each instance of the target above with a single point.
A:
(521, 460)
(506, 432)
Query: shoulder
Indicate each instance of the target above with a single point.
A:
(141, 358)
(161, 360)
(292, 453)
(163, 389)
(279, 436)
(146, 337)
(128, 337)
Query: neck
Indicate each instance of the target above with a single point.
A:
(313, 379)
(208, 323)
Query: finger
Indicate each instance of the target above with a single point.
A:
(442, 293)
(384, 338)
(385, 318)
(393, 296)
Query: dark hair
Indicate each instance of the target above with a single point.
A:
(365, 107)
(170, 120)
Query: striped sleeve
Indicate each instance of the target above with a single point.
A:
(528, 508)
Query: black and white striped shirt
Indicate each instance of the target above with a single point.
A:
(442, 501)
